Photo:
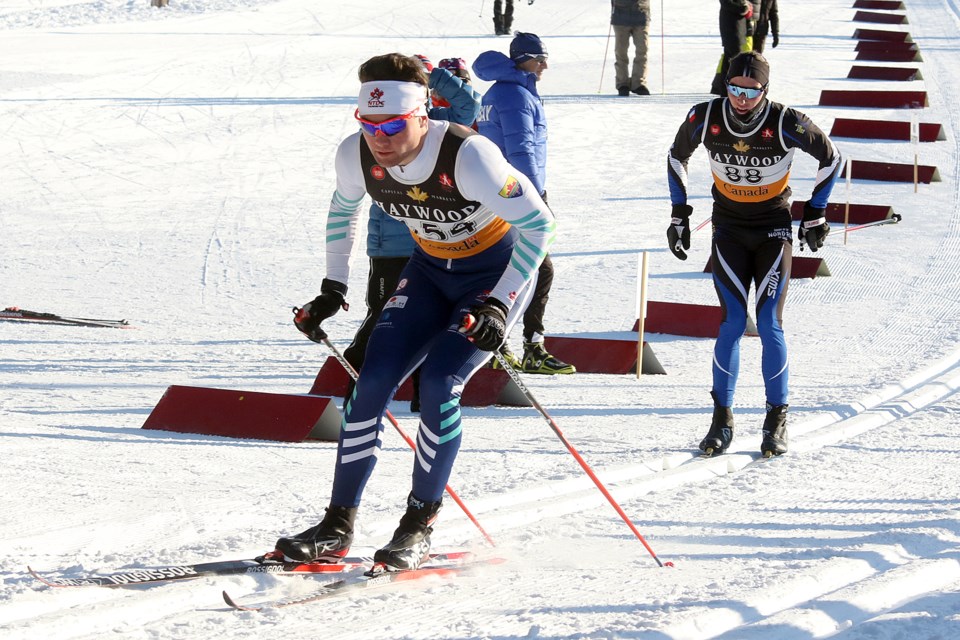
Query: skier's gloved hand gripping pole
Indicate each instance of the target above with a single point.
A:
(301, 318)
(472, 326)
(813, 228)
(332, 298)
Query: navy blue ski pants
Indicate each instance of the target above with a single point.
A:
(419, 324)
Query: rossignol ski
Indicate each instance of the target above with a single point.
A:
(269, 563)
(17, 314)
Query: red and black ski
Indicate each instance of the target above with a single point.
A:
(264, 564)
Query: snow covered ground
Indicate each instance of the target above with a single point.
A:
(173, 167)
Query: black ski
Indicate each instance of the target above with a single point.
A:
(373, 578)
(22, 315)
(262, 564)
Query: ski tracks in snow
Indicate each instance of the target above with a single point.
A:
(812, 601)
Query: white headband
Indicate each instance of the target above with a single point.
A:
(392, 96)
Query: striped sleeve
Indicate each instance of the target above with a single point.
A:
(484, 175)
(344, 206)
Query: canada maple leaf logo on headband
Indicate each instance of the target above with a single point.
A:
(375, 98)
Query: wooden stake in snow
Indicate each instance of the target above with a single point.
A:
(846, 208)
(641, 307)
(914, 141)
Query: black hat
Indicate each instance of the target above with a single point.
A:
(750, 64)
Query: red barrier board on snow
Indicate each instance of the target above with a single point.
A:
(874, 99)
(245, 414)
(885, 130)
(597, 355)
(801, 267)
(836, 212)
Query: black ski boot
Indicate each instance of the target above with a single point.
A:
(411, 541)
(328, 541)
(720, 435)
(774, 431)
(536, 359)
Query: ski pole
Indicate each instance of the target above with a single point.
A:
(396, 425)
(876, 223)
(481, 8)
(704, 223)
(469, 321)
(605, 51)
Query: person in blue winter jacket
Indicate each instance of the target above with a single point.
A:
(389, 243)
(512, 116)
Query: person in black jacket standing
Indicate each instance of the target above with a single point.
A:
(734, 18)
(629, 19)
(768, 21)
(503, 17)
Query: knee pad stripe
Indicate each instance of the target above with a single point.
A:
(359, 440)
(450, 436)
(359, 426)
(360, 455)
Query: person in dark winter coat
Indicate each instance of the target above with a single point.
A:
(735, 19)
(750, 143)
(512, 116)
(630, 19)
(389, 243)
(502, 20)
(768, 21)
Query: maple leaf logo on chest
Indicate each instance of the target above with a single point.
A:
(741, 146)
(417, 195)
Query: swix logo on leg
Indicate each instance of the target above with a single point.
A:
(773, 283)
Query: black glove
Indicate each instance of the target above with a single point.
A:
(678, 233)
(489, 326)
(813, 228)
(309, 316)
(776, 39)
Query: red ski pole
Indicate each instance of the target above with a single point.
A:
(469, 321)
